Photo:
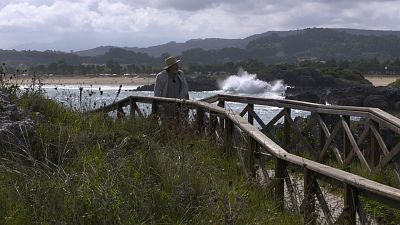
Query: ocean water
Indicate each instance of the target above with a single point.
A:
(87, 97)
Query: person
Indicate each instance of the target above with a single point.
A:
(171, 83)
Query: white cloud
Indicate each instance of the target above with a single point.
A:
(143, 22)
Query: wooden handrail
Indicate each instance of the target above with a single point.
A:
(375, 114)
(372, 189)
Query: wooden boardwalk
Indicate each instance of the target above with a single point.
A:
(327, 138)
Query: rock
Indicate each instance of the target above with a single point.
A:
(377, 101)
(16, 129)
(306, 96)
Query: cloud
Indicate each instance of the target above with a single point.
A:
(144, 22)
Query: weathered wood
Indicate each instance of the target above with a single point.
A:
(244, 111)
(298, 133)
(228, 140)
(200, 120)
(346, 140)
(257, 118)
(221, 104)
(330, 139)
(251, 156)
(349, 204)
(323, 203)
(389, 157)
(292, 191)
(360, 210)
(370, 189)
(280, 168)
(287, 128)
(310, 215)
(154, 107)
(273, 121)
(353, 142)
(120, 111)
(374, 148)
(325, 130)
(250, 118)
(360, 140)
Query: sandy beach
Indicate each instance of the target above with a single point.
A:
(381, 80)
(91, 80)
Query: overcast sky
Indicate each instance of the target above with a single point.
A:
(82, 24)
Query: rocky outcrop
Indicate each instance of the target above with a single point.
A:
(16, 129)
(385, 98)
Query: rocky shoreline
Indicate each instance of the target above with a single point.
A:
(16, 128)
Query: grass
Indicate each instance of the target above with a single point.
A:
(88, 169)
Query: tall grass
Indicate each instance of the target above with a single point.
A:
(88, 169)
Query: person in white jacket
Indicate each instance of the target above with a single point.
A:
(171, 83)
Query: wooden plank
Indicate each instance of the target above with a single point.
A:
(257, 118)
(251, 156)
(388, 157)
(292, 191)
(244, 111)
(280, 167)
(287, 127)
(373, 154)
(360, 210)
(298, 132)
(360, 140)
(273, 121)
(378, 137)
(368, 188)
(325, 129)
(250, 118)
(310, 214)
(330, 139)
(355, 146)
(349, 204)
(228, 139)
(322, 203)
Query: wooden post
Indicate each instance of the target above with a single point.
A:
(132, 108)
(374, 147)
(221, 104)
(154, 107)
(228, 139)
(286, 130)
(200, 120)
(280, 167)
(322, 136)
(349, 204)
(252, 145)
(120, 111)
(346, 141)
(310, 215)
(250, 118)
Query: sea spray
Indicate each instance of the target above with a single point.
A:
(247, 83)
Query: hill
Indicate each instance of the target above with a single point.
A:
(220, 43)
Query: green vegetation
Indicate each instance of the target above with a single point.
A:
(88, 169)
(396, 83)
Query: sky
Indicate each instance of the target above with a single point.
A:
(82, 24)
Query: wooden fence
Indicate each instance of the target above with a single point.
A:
(328, 134)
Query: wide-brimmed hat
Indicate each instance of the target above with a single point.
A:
(170, 61)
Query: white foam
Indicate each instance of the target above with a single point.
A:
(245, 83)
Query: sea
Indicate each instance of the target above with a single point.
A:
(87, 97)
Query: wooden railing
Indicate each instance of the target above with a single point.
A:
(258, 145)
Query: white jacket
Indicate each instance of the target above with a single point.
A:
(161, 86)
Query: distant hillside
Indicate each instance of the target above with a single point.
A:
(175, 48)
(313, 44)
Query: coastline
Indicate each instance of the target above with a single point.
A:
(89, 80)
(378, 80)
